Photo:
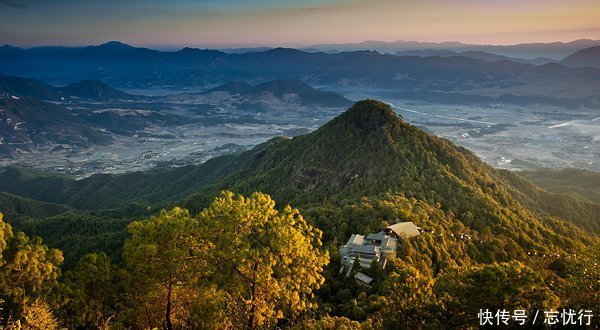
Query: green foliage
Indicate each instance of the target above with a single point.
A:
(578, 182)
(329, 323)
(91, 294)
(580, 273)
(408, 294)
(507, 286)
(38, 315)
(166, 259)
(266, 260)
(239, 263)
(567, 206)
(78, 234)
(28, 270)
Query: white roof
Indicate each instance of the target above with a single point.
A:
(356, 239)
(404, 229)
(389, 243)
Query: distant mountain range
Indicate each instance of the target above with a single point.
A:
(589, 57)
(234, 88)
(29, 123)
(34, 115)
(89, 89)
(554, 50)
(468, 78)
(480, 55)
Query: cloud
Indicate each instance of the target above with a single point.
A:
(14, 4)
(311, 9)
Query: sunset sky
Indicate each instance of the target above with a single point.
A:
(234, 23)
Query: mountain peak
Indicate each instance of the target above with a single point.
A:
(92, 89)
(283, 51)
(112, 46)
(588, 57)
(370, 115)
(115, 44)
(279, 87)
(233, 87)
(307, 94)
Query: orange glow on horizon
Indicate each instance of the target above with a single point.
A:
(332, 21)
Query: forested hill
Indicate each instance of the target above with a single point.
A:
(366, 151)
(369, 151)
(577, 182)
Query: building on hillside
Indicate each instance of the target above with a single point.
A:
(363, 278)
(403, 230)
(376, 247)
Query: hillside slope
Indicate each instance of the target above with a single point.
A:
(581, 183)
(588, 57)
(18, 207)
(364, 169)
(22, 87)
(307, 95)
(94, 90)
(366, 151)
(88, 89)
(28, 123)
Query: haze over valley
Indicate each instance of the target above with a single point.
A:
(136, 108)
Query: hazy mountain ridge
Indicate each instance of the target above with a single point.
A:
(87, 89)
(589, 57)
(307, 95)
(554, 50)
(28, 123)
(35, 115)
(480, 55)
(415, 77)
(233, 87)
(94, 90)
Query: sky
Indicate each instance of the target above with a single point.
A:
(293, 23)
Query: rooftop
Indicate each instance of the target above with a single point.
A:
(380, 236)
(363, 278)
(404, 229)
(389, 243)
(366, 249)
(356, 239)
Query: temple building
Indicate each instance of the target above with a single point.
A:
(376, 247)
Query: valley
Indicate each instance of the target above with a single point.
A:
(167, 131)
(514, 137)
(180, 128)
(150, 108)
